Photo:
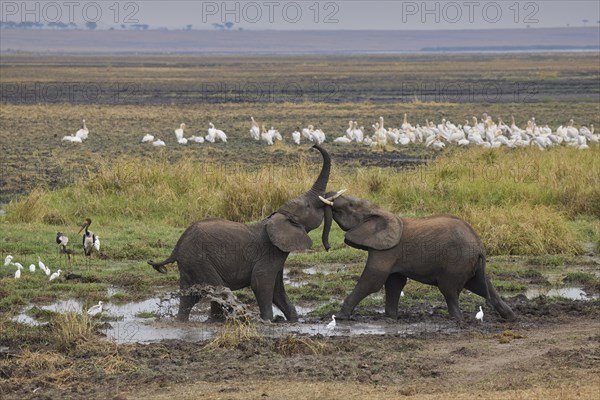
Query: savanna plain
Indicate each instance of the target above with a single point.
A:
(537, 212)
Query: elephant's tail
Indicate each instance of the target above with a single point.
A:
(160, 266)
(492, 296)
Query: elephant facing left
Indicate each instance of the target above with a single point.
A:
(224, 253)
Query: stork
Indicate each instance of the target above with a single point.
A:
(88, 238)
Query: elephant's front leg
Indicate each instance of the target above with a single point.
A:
(282, 301)
(263, 285)
(372, 279)
(393, 288)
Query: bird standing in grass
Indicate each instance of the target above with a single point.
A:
(97, 243)
(8, 260)
(54, 275)
(18, 272)
(32, 268)
(479, 315)
(88, 237)
(43, 266)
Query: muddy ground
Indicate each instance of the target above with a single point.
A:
(551, 351)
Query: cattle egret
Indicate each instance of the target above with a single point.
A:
(97, 243)
(8, 260)
(18, 272)
(331, 325)
(32, 268)
(95, 310)
(54, 275)
(479, 315)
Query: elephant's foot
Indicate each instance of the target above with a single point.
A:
(183, 317)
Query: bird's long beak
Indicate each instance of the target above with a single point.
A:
(82, 227)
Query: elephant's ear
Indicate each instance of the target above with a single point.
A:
(378, 231)
(286, 234)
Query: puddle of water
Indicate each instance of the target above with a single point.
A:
(571, 293)
(147, 330)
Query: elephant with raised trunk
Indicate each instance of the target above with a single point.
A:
(441, 250)
(224, 253)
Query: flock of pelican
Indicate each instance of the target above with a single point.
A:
(483, 132)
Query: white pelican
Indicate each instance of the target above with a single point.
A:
(54, 275)
(296, 137)
(342, 139)
(254, 130)
(479, 315)
(82, 133)
(266, 136)
(147, 138)
(179, 132)
(158, 143)
(95, 310)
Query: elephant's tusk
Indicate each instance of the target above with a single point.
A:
(338, 194)
(326, 201)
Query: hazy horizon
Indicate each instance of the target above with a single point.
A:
(341, 15)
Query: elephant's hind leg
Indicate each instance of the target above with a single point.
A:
(451, 295)
(186, 303)
(482, 286)
(393, 287)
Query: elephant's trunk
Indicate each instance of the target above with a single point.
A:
(327, 227)
(320, 185)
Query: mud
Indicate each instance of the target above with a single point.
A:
(552, 345)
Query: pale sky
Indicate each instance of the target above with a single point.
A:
(311, 14)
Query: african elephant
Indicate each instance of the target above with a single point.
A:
(224, 253)
(440, 250)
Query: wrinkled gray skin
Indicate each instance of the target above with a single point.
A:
(235, 255)
(440, 250)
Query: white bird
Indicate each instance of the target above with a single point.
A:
(97, 243)
(95, 310)
(402, 293)
(72, 139)
(18, 272)
(182, 141)
(179, 132)
(254, 130)
(196, 139)
(43, 266)
(158, 143)
(331, 325)
(296, 137)
(32, 268)
(266, 136)
(8, 260)
(342, 139)
(54, 275)
(479, 315)
(147, 138)
(82, 133)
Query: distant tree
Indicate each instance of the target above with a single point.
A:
(585, 21)
(72, 25)
(123, 26)
(91, 25)
(112, 28)
(218, 26)
(228, 24)
(188, 27)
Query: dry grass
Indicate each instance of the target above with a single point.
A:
(292, 345)
(233, 333)
(70, 329)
